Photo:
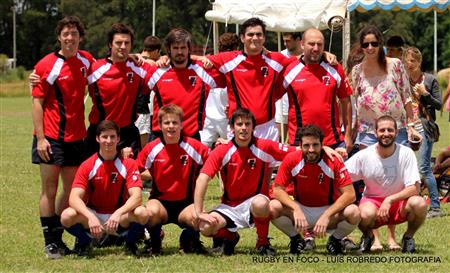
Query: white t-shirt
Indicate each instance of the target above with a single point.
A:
(384, 176)
(215, 104)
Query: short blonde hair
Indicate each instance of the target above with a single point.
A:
(415, 53)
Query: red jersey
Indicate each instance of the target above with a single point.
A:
(315, 185)
(312, 91)
(174, 167)
(114, 88)
(244, 169)
(62, 86)
(252, 81)
(106, 182)
(186, 87)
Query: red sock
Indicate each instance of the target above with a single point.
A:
(262, 230)
(225, 234)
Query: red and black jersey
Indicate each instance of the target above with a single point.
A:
(313, 90)
(244, 169)
(114, 88)
(252, 81)
(62, 86)
(186, 87)
(174, 167)
(315, 184)
(106, 182)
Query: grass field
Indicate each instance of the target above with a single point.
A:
(21, 239)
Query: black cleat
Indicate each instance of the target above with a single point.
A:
(63, 249)
(366, 244)
(310, 244)
(82, 250)
(348, 244)
(296, 245)
(266, 250)
(408, 245)
(227, 246)
(131, 249)
(334, 246)
(190, 242)
(152, 248)
(52, 251)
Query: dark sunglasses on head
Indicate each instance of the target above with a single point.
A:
(366, 45)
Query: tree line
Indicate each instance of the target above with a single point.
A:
(36, 21)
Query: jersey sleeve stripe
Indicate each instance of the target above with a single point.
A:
(138, 70)
(296, 170)
(152, 155)
(228, 155)
(120, 167)
(192, 152)
(230, 65)
(56, 69)
(203, 75)
(94, 170)
(156, 76)
(327, 170)
(292, 74)
(333, 72)
(97, 74)
(272, 63)
(85, 61)
(262, 155)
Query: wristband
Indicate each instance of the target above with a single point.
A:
(411, 124)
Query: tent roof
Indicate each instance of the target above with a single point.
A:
(279, 15)
(410, 5)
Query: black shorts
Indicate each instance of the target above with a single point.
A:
(63, 153)
(174, 208)
(129, 137)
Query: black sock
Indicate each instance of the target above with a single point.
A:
(295, 237)
(48, 230)
(57, 228)
(155, 233)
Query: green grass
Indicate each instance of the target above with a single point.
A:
(21, 241)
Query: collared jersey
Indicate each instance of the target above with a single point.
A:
(252, 81)
(62, 86)
(244, 170)
(315, 184)
(106, 182)
(174, 167)
(186, 87)
(114, 88)
(312, 91)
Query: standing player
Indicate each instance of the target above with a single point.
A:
(392, 181)
(313, 88)
(174, 162)
(323, 193)
(216, 120)
(244, 165)
(59, 130)
(151, 53)
(106, 196)
(183, 83)
(114, 86)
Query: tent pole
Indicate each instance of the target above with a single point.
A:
(346, 40)
(435, 43)
(216, 37)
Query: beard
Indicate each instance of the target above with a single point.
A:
(386, 142)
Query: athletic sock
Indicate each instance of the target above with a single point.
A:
(262, 230)
(57, 227)
(155, 233)
(77, 230)
(48, 230)
(224, 233)
(343, 229)
(284, 224)
(134, 231)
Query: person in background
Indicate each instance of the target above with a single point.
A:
(394, 47)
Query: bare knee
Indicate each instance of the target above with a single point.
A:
(352, 214)
(416, 204)
(68, 217)
(275, 208)
(141, 215)
(367, 212)
(260, 206)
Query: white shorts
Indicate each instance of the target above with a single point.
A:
(312, 214)
(266, 130)
(103, 217)
(143, 123)
(282, 109)
(240, 214)
(213, 129)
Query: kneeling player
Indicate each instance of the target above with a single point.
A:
(323, 193)
(173, 161)
(106, 196)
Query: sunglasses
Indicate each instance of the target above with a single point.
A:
(366, 45)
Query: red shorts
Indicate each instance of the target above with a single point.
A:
(395, 212)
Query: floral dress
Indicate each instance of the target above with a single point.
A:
(381, 95)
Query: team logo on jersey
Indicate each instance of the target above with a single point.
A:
(264, 71)
(283, 147)
(130, 77)
(192, 79)
(252, 163)
(83, 71)
(320, 178)
(326, 80)
(184, 160)
(113, 177)
(343, 172)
